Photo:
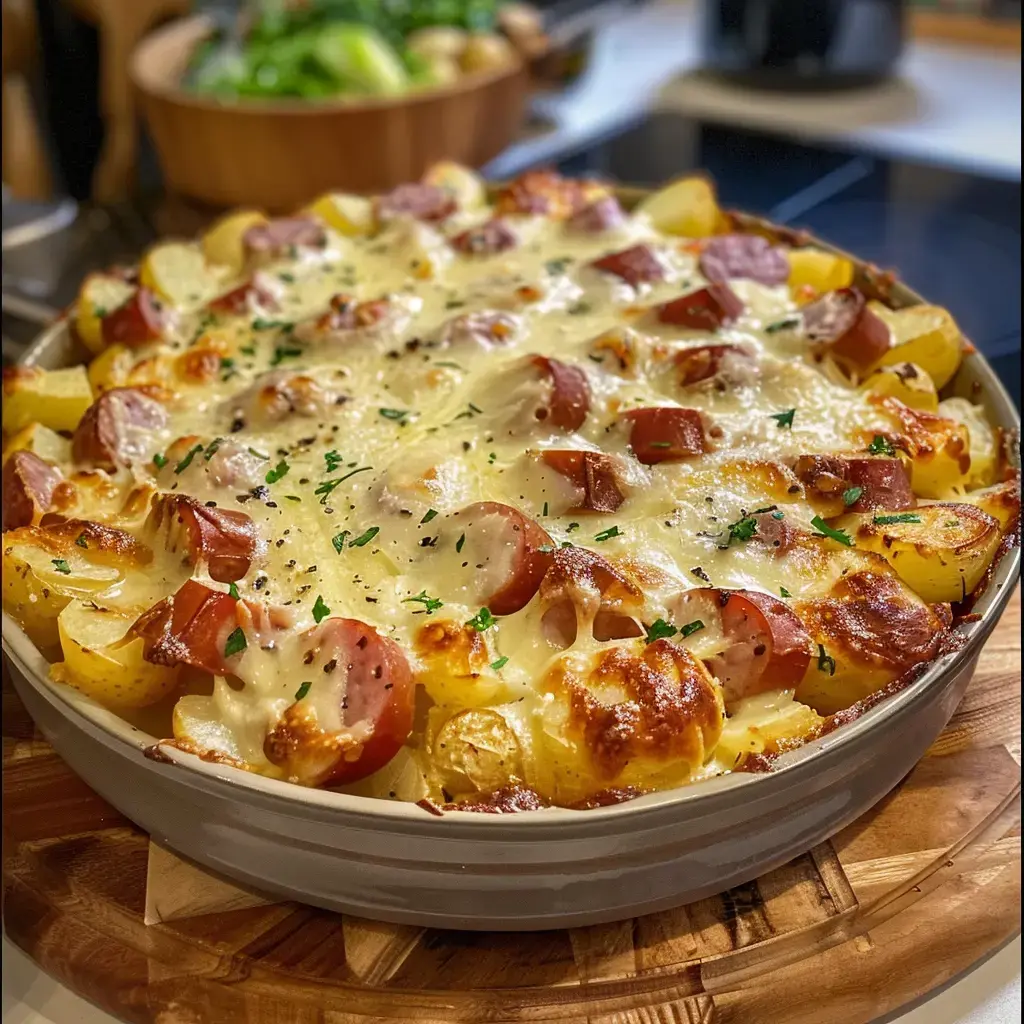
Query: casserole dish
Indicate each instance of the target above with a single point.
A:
(549, 868)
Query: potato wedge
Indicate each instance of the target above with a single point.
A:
(99, 295)
(938, 447)
(466, 186)
(199, 722)
(177, 273)
(687, 207)
(925, 335)
(984, 445)
(222, 244)
(1001, 501)
(906, 382)
(348, 214)
(454, 661)
(55, 398)
(37, 586)
(764, 723)
(110, 369)
(477, 751)
(817, 270)
(940, 550)
(41, 441)
(101, 662)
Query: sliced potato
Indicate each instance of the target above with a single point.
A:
(941, 551)
(686, 207)
(101, 662)
(925, 335)
(1001, 501)
(765, 723)
(37, 586)
(198, 722)
(41, 441)
(348, 214)
(465, 185)
(453, 660)
(100, 294)
(984, 444)
(110, 369)
(55, 398)
(907, 382)
(222, 243)
(477, 751)
(178, 273)
(817, 270)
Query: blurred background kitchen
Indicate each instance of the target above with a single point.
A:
(889, 127)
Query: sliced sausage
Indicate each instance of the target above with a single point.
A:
(486, 329)
(115, 429)
(224, 540)
(725, 363)
(486, 239)
(666, 434)
(595, 475)
(841, 321)
(28, 487)
(357, 712)
(883, 482)
(634, 265)
(346, 314)
(511, 553)
(767, 646)
(773, 530)
(545, 192)
(747, 256)
(568, 401)
(242, 300)
(706, 309)
(139, 320)
(279, 394)
(603, 214)
(421, 202)
(277, 237)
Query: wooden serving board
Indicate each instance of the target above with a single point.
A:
(912, 894)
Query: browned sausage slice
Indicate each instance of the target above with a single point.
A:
(28, 486)
(706, 309)
(139, 320)
(491, 237)
(708, 362)
(748, 256)
(883, 482)
(841, 321)
(634, 265)
(666, 434)
(603, 214)
(241, 300)
(510, 553)
(113, 431)
(277, 237)
(594, 474)
(569, 400)
(414, 199)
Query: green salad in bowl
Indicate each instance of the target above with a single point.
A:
(320, 49)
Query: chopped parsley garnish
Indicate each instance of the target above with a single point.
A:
(659, 444)
(327, 486)
(544, 510)
(571, 527)
(880, 445)
(258, 454)
(852, 495)
(431, 514)
(233, 591)
(365, 538)
(61, 565)
(333, 460)
(483, 620)
(303, 689)
(824, 530)
(430, 604)
(784, 419)
(278, 472)
(689, 628)
(159, 460)
(81, 541)
(492, 458)
(211, 448)
(742, 530)
(558, 265)
(903, 517)
(263, 324)
(320, 610)
(545, 549)
(227, 368)
(394, 414)
(449, 364)
(283, 352)
(459, 543)
(612, 531)
(187, 461)
(825, 662)
(454, 304)
(286, 277)
(783, 592)
(782, 325)
(470, 411)
(579, 308)
(236, 643)
(247, 350)
(338, 540)
(499, 664)
(662, 630)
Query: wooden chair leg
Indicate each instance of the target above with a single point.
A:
(26, 165)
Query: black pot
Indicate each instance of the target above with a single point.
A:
(804, 44)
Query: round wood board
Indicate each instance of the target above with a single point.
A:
(912, 894)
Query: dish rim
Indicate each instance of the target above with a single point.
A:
(34, 667)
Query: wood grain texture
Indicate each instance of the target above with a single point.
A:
(908, 896)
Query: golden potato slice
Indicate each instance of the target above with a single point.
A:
(764, 723)
(940, 550)
(817, 270)
(100, 294)
(55, 398)
(454, 660)
(348, 214)
(222, 243)
(907, 382)
(686, 207)
(41, 441)
(178, 273)
(102, 663)
(37, 586)
(925, 335)
(476, 750)
(984, 444)
(466, 186)
(1001, 501)
(110, 369)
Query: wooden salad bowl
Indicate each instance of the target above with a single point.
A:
(279, 154)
